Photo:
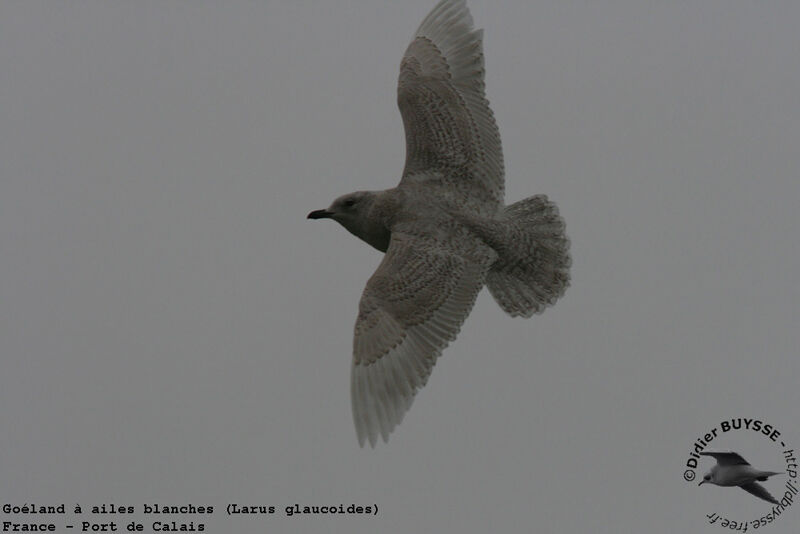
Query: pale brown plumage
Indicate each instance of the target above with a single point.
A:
(445, 229)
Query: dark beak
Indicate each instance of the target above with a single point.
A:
(320, 214)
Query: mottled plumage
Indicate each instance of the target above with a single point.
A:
(445, 229)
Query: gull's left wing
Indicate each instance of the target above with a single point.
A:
(727, 458)
(452, 140)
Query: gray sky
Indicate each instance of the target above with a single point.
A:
(173, 330)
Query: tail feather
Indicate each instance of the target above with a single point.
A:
(532, 269)
(766, 474)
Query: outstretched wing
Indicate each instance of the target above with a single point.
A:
(727, 458)
(759, 491)
(452, 139)
(412, 307)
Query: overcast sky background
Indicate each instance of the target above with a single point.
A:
(173, 330)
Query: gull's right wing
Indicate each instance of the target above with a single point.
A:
(759, 491)
(412, 307)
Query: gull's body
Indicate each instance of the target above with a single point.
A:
(733, 470)
(445, 228)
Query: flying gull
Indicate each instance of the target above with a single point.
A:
(445, 229)
(733, 470)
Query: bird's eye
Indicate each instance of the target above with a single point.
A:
(349, 203)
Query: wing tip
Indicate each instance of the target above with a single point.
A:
(378, 405)
(446, 11)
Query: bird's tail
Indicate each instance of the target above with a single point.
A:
(532, 269)
(766, 474)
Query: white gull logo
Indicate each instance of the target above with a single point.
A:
(733, 470)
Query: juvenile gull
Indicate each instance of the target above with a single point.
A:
(733, 470)
(445, 228)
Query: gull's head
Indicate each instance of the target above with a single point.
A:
(347, 209)
(355, 212)
(709, 478)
